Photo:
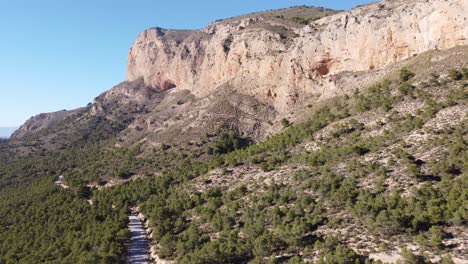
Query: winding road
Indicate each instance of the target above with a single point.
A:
(138, 245)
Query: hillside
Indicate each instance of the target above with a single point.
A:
(288, 136)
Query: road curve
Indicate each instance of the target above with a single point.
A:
(138, 245)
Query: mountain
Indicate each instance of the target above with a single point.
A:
(5, 132)
(276, 61)
(281, 63)
(287, 136)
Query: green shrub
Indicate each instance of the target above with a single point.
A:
(226, 142)
(455, 74)
(167, 246)
(301, 20)
(285, 122)
(406, 89)
(408, 256)
(465, 73)
(436, 237)
(413, 170)
(406, 75)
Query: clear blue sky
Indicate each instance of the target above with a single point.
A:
(60, 54)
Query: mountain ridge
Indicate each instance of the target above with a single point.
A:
(249, 52)
(311, 73)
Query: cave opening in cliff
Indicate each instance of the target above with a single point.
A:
(166, 85)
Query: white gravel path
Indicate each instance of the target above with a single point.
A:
(139, 244)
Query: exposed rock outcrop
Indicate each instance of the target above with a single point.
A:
(278, 63)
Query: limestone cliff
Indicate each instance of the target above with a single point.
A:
(278, 62)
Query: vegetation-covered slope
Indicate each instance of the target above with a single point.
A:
(379, 171)
(396, 181)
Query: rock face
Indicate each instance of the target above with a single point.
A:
(245, 73)
(278, 62)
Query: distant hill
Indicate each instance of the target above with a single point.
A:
(5, 132)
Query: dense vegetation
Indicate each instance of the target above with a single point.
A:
(257, 221)
(42, 223)
(45, 224)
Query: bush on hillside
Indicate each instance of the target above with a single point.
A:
(406, 75)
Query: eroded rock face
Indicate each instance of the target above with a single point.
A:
(278, 63)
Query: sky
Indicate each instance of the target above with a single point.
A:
(60, 54)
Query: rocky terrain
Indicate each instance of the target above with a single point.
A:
(287, 136)
(280, 63)
(279, 60)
